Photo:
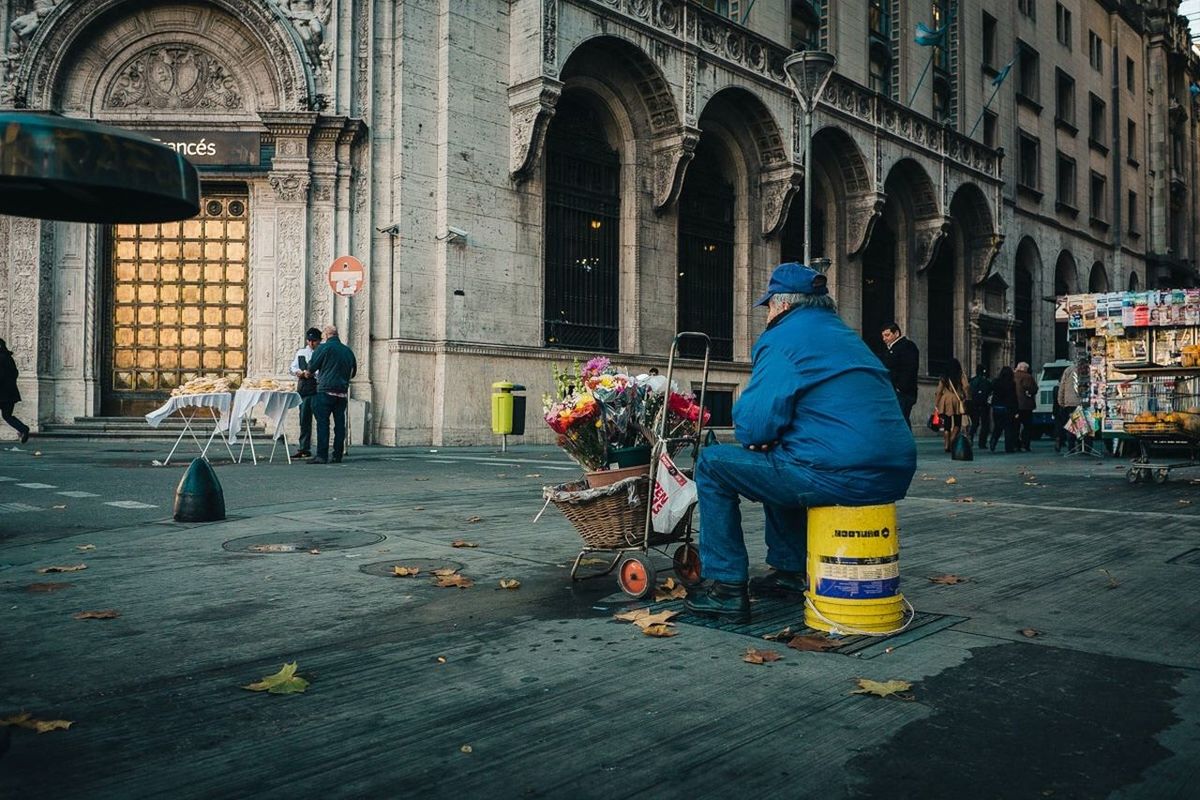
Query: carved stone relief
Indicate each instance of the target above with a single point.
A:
(290, 187)
(981, 255)
(531, 105)
(289, 281)
(671, 154)
(779, 186)
(550, 37)
(174, 77)
(24, 284)
(862, 211)
(927, 236)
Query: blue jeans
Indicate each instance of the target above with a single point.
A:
(724, 474)
(324, 405)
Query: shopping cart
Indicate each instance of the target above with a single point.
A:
(1162, 412)
(617, 522)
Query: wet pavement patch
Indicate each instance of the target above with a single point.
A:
(384, 569)
(302, 541)
(1024, 720)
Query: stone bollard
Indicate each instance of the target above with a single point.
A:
(199, 497)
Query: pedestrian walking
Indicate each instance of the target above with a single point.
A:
(1004, 409)
(950, 401)
(9, 394)
(334, 365)
(306, 387)
(1067, 400)
(903, 362)
(1027, 390)
(981, 409)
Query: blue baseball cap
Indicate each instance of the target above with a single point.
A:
(794, 278)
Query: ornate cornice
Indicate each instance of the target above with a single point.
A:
(290, 187)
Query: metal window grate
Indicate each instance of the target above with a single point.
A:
(706, 236)
(178, 301)
(582, 239)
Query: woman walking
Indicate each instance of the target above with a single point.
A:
(950, 400)
(1027, 390)
(9, 396)
(1004, 408)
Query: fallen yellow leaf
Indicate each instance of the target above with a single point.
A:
(669, 590)
(454, 581)
(892, 688)
(466, 748)
(474, 518)
(26, 720)
(107, 613)
(83, 548)
(405, 572)
(951, 481)
(283, 682)
(1029, 633)
(643, 617)
(462, 543)
(660, 630)
(786, 633)
(73, 568)
(754, 656)
(510, 583)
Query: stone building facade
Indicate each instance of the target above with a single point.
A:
(529, 181)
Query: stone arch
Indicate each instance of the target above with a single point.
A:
(840, 164)
(1098, 278)
(1066, 276)
(922, 221)
(58, 48)
(631, 75)
(971, 213)
(1027, 270)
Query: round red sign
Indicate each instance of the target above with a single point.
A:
(346, 275)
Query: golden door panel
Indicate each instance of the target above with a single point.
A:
(177, 303)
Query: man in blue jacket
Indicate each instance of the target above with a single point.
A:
(817, 425)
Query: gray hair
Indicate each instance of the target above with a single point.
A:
(330, 330)
(801, 300)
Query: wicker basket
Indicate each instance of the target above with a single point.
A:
(606, 518)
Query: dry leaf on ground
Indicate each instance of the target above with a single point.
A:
(510, 583)
(420, 479)
(454, 581)
(892, 688)
(670, 589)
(47, 587)
(1112, 582)
(315, 552)
(947, 580)
(779, 636)
(466, 748)
(283, 682)
(951, 481)
(1029, 632)
(814, 643)
(418, 508)
(659, 630)
(755, 656)
(405, 572)
(443, 571)
(83, 548)
(26, 720)
(964, 499)
(272, 548)
(644, 617)
(108, 613)
(72, 568)
(462, 543)
(441, 659)
(474, 518)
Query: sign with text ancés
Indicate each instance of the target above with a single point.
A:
(212, 148)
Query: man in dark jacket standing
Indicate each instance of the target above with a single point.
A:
(306, 387)
(817, 425)
(334, 365)
(9, 394)
(903, 361)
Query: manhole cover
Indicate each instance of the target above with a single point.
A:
(302, 541)
(383, 569)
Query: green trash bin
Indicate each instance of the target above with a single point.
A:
(508, 409)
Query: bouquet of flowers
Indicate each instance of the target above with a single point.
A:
(599, 409)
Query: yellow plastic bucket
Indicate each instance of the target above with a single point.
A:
(853, 569)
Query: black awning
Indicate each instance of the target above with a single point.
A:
(55, 167)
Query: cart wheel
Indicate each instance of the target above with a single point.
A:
(1133, 475)
(1162, 475)
(687, 563)
(635, 576)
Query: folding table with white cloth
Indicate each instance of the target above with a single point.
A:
(192, 408)
(276, 403)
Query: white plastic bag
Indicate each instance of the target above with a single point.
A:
(674, 494)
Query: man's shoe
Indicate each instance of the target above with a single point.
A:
(317, 460)
(24, 437)
(779, 583)
(301, 454)
(721, 600)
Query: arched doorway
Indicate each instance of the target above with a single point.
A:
(1065, 282)
(1098, 279)
(879, 283)
(1134, 283)
(707, 234)
(1027, 265)
(582, 220)
(939, 303)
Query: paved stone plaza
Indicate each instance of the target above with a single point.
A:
(549, 694)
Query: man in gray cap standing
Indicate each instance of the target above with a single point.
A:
(817, 425)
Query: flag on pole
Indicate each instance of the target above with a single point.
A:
(1002, 74)
(926, 37)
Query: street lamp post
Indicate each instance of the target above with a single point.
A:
(808, 71)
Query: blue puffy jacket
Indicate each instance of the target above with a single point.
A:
(818, 391)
